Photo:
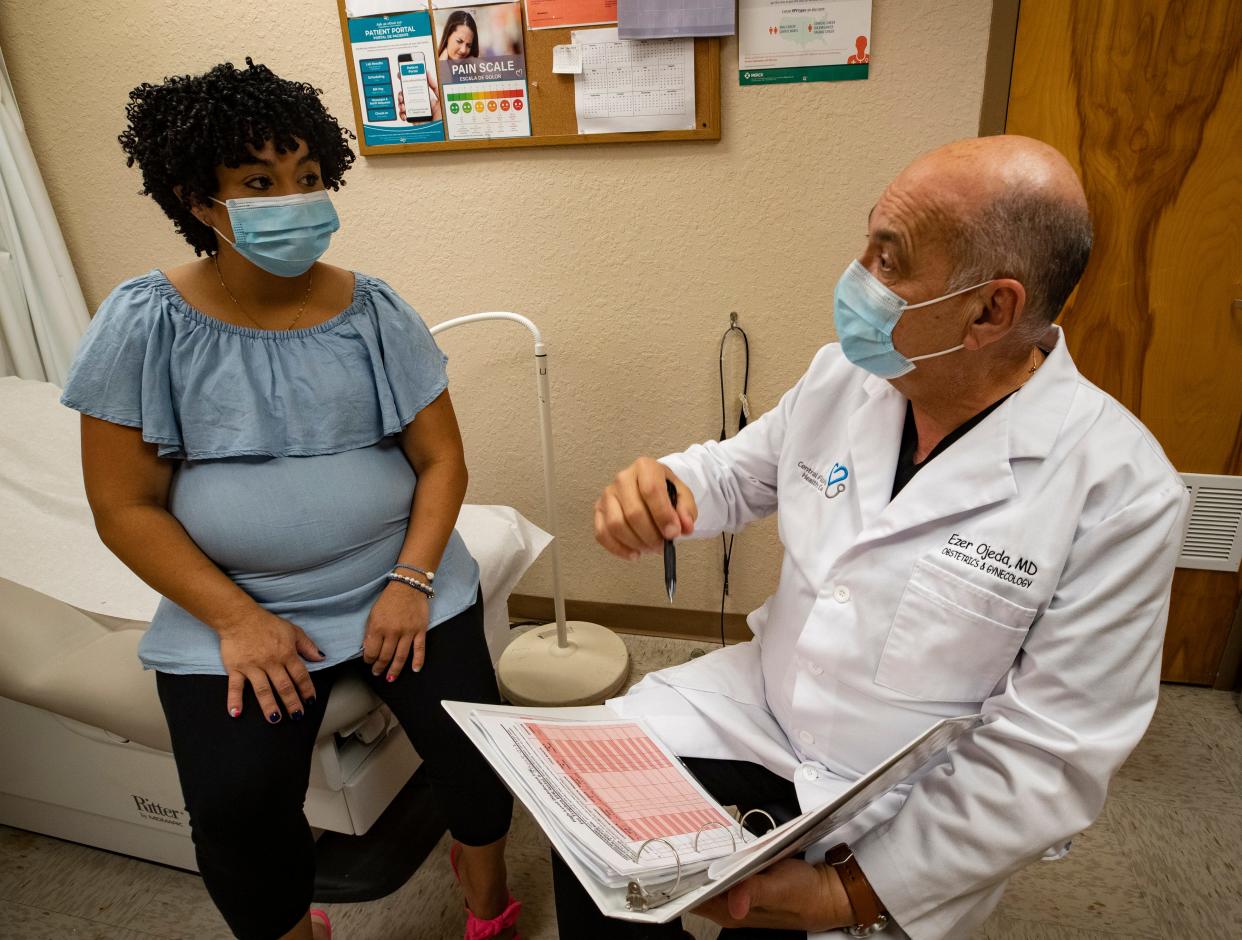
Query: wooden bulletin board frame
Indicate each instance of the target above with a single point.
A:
(553, 120)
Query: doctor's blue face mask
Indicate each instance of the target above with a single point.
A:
(283, 235)
(865, 313)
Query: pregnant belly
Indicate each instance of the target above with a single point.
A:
(298, 526)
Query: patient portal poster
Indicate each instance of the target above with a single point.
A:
(394, 70)
(782, 41)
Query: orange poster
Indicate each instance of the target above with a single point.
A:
(549, 14)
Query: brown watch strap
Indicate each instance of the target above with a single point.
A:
(864, 902)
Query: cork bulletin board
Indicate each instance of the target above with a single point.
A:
(553, 118)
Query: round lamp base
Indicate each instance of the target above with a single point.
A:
(533, 670)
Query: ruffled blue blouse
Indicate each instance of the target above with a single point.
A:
(288, 473)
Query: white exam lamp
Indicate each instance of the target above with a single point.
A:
(569, 663)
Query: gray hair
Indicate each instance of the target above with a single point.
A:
(1033, 237)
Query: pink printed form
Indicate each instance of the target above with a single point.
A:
(628, 779)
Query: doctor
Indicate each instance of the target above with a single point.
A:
(968, 525)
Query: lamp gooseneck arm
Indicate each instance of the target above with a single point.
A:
(545, 438)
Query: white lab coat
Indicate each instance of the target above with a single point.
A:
(1024, 573)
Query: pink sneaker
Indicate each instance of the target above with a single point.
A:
(476, 927)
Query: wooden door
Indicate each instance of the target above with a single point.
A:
(1145, 99)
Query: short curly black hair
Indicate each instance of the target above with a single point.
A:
(183, 129)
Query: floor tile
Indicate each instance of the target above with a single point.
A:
(74, 879)
(32, 923)
(1199, 920)
(1189, 864)
(1092, 888)
(180, 910)
(1175, 765)
(1216, 720)
(1002, 927)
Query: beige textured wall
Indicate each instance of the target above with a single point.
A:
(629, 257)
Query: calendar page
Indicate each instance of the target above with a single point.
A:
(633, 85)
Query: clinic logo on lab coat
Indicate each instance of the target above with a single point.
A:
(832, 484)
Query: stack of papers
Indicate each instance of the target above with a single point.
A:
(607, 789)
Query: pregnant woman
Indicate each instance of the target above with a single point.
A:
(268, 441)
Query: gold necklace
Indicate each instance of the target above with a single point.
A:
(1034, 360)
(301, 309)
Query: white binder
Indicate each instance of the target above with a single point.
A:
(660, 901)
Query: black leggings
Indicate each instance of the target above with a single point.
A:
(244, 780)
(732, 783)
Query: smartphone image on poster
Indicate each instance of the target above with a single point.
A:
(412, 67)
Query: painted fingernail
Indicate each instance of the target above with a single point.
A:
(310, 701)
(234, 712)
(274, 717)
(295, 715)
(320, 652)
(391, 677)
(416, 668)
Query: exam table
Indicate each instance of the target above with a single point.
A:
(84, 750)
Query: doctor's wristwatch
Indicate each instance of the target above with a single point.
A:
(864, 902)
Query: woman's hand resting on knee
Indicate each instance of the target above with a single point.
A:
(270, 653)
(396, 631)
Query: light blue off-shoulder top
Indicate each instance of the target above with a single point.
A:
(288, 472)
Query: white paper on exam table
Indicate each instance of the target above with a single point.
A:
(627, 87)
(698, 886)
(665, 19)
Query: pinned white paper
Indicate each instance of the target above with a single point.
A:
(625, 86)
(567, 60)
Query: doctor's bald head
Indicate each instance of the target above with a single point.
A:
(1006, 207)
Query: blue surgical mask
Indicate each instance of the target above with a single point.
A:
(865, 312)
(283, 235)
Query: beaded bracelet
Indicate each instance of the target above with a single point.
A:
(412, 582)
(429, 575)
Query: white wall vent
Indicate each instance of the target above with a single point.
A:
(1213, 538)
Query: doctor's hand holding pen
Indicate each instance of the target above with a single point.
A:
(635, 514)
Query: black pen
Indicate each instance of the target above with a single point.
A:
(670, 551)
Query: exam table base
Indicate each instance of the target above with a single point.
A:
(75, 782)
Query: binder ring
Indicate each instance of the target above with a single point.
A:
(742, 822)
(638, 898)
(728, 832)
(676, 858)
